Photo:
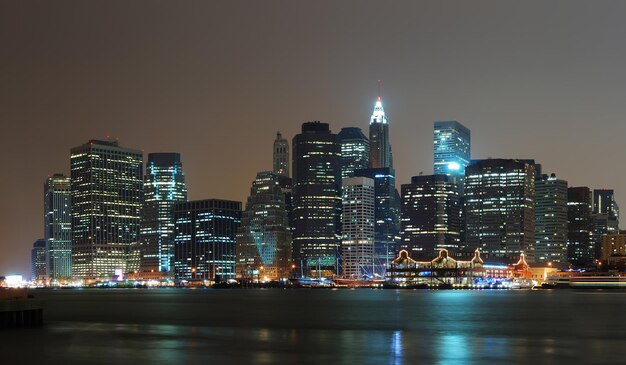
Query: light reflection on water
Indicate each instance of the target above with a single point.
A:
(322, 327)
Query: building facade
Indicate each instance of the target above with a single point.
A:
(164, 186)
(550, 219)
(316, 200)
(605, 216)
(107, 196)
(380, 147)
(613, 244)
(430, 215)
(355, 151)
(205, 239)
(452, 149)
(580, 243)
(500, 207)
(264, 249)
(281, 155)
(38, 262)
(58, 227)
(387, 216)
(357, 240)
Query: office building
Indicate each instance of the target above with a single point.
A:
(355, 151)
(107, 196)
(316, 199)
(452, 148)
(550, 219)
(613, 244)
(430, 215)
(39, 267)
(387, 216)
(500, 207)
(205, 238)
(58, 227)
(264, 249)
(357, 240)
(605, 216)
(164, 186)
(580, 243)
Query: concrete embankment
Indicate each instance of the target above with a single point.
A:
(18, 310)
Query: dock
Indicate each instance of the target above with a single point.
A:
(17, 309)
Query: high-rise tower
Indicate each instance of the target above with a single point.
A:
(316, 199)
(580, 244)
(107, 195)
(380, 148)
(58, 227)
(164, 186)
(357, 242)
(550, 219)
(281, 155)
(451, 149)
(355, 151)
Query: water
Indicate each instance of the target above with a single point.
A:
(318, 326)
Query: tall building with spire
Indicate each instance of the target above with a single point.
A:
(281, 155)
(380, 148)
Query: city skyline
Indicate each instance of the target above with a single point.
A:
(541, 103)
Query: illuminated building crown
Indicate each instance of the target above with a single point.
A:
(378, 116)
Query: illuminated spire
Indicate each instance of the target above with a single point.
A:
(378, 116)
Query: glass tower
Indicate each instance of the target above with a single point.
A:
(500, 207)
(264, 237)
(107, 196)
(355, 151)
(164, 186)
(430, 215)
(580, 243)
(451, 149)
(550, 219)
(316, 199)
(205, 239)
(39, 267)
(58, 227)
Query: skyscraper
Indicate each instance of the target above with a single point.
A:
(264, 237)
(380, 148)
(107, 195)
(39, 267)
(357, 242)
(355, 151)
(605, 216)
(387, 216)
(580, 244)
(281, 155)
(430, 215)
(205, 239)
(550, 219)
(500, 207)
(58, 227)
(452, 147)
(316, 199)
(164, 186)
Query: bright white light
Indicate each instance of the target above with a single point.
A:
(14, 281)
(454, 166)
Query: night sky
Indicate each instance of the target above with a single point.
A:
(216, 80)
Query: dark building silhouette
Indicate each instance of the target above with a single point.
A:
(580, 243)
(430, 215)
(281, 155)
(39, 266)
(205, 239)
(316, 199)
(164, 186)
